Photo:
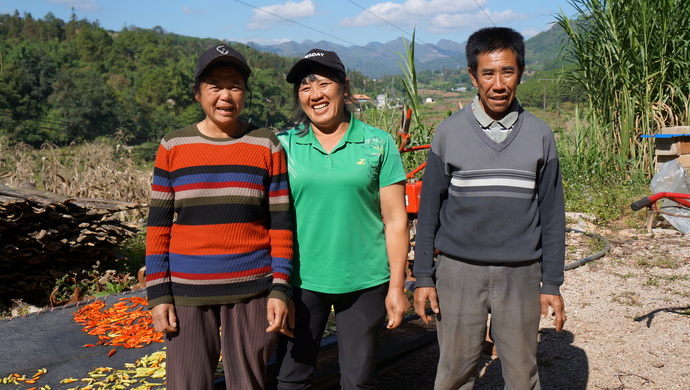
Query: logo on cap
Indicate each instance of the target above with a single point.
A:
(314, 55)
(222, 50)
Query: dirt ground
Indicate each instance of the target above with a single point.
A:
(628, 320)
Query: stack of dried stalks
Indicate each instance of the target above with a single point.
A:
(44, 235)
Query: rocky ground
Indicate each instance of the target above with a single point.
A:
(628, 320)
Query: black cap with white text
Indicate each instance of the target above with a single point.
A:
(315, 58)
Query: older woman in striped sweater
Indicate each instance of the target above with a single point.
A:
(219, 236)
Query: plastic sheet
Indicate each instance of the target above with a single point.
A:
(672, 177)
(51, 339)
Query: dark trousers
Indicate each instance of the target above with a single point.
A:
(238, 330)
(359, 316)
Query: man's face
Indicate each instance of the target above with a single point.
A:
(497, 79)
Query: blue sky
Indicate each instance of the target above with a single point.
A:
(346, 22)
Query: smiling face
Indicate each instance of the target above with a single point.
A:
(222, 94)
(496, 79)
(323, 100)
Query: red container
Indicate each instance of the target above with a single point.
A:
(412, 192)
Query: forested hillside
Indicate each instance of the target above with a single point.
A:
(62, 81)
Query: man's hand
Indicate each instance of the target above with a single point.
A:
(558, 306)
(164, 318)
(280, 319)
(396, 306)
(421, 296)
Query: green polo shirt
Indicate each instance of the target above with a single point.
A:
(340, 238)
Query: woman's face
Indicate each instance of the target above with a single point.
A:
(222, 94)
(323, 100)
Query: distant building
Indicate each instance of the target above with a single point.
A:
(361, 98)
(381, 101)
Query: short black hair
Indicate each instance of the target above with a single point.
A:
(491, 39)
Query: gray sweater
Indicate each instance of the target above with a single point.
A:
(493, 203)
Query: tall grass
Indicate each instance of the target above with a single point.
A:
(633, 60)
(409, 81)
(421, 129)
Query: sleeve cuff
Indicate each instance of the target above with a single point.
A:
(157, 301)
(550, 289)
(281, 291)
(424, 281)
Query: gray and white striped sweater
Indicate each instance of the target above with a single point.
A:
(494, 203)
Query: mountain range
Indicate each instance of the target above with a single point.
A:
(377, 59)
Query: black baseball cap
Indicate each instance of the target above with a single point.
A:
(221, 53)
(315, 57)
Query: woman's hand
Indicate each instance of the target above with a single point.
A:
(164, 318)
(281, 318)
(396, 307)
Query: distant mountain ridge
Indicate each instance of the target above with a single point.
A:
(377, 59)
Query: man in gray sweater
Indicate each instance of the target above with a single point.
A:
(492, 209)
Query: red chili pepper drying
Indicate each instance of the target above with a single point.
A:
(112, 352)
(126, 323)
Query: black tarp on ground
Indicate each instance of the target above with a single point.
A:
(52, 339)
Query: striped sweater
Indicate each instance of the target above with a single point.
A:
(220, 226)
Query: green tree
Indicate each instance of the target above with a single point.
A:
(268, 101)
(61, 81)
(91, 44)
(26, 76)
(82, 101)
(51, 28)
(12, 26)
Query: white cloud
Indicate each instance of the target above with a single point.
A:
(412, 12)
(190, 11)
(263, 41)
(445, 23)
(81, 5)
(433, 16)
(432, 7)
(264, 17)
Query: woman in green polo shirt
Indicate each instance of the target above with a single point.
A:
(347, 185)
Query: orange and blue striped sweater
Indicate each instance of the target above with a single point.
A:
(220, 226)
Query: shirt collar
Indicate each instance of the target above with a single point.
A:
(486, 121)
(354, 133)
